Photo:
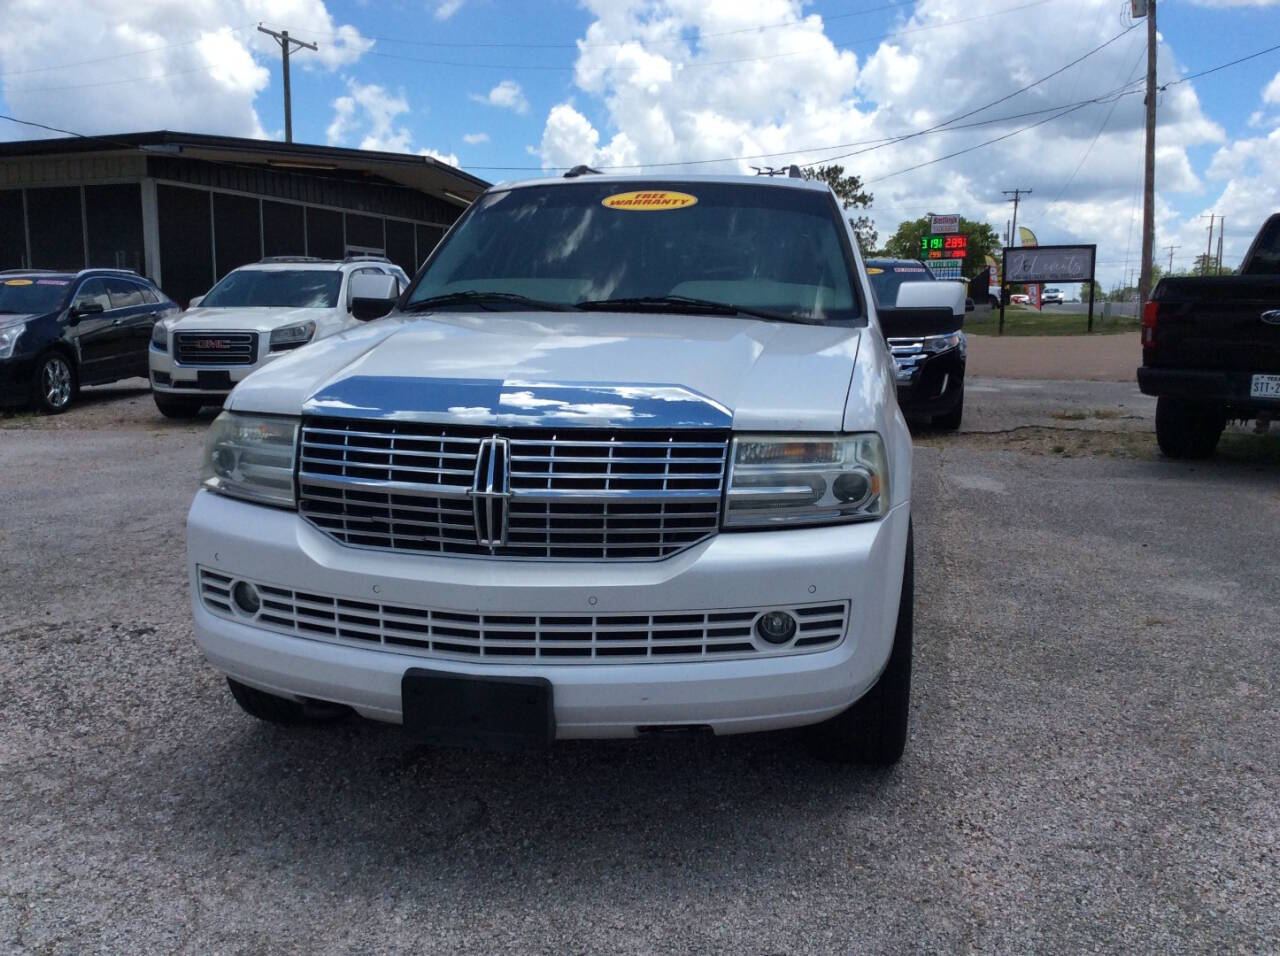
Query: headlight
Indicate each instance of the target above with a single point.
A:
(291, 336)
(160, 336)
(9, 339)
(251, 457)
(943, 343)
(783, 480)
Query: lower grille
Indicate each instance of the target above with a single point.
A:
(215, 348)
(720, 634)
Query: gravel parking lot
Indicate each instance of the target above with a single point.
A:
(1093, 764)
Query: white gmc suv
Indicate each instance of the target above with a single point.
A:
(625, 458)
(255, 314)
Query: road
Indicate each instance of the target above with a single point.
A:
(1093, 762)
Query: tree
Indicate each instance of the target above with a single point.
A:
(850, 192)
(983, 241)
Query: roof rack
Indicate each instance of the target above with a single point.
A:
(292, 259)
(366, 257)
(581, 170)
(791, 172)
(110, 270)
(5, 272)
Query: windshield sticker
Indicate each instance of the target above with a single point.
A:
(873, 271)
(17, 282)
(649, 201)
(907, 269)
(53, 282)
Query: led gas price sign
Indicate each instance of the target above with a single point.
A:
(944, 247)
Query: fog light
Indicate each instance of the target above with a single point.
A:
(776, 627)
(246, 598)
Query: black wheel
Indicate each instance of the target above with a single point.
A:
(55, 383)
(950, 421)
(176, 407)
(281, 710)
(1187, 430)
(874, 730)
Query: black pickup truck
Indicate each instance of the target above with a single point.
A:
(1211, 350)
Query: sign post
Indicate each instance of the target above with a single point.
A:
(1050, 264)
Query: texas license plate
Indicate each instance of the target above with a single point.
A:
(1265, 386)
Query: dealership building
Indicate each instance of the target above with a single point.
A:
(185, 208)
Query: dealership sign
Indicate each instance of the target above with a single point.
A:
(1049, 264)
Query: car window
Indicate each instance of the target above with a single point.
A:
(92, 291)
(276, 288)
(774, 248)
(27, 295)
(887, 275)
(124, 294)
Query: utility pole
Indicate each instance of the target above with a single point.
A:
(1013, 228)
(286, 44)
(1149, 164)
(1171, 250)
(1222, 231)
(1208, 252)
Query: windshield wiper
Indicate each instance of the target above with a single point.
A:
(479, 298)
(685, 304)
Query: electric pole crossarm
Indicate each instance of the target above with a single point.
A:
(287, 44)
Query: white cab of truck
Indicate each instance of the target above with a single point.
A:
(624, 459)
(255, 314)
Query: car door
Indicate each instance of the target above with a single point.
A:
(92, 330)
(134, 309)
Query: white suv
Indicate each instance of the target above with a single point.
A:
(627, 459)
(254, 315)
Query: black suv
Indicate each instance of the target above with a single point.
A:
(928, 345)
(61, 330)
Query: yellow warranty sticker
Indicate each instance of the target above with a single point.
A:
(18, 282)
(649, 200)
(873, 271)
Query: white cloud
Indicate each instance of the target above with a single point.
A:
(450, 159)
(190, 66)
(680, 80)
(374, 115)
(506, 95)
(447, 8)
(1272, 93)
(473, 139)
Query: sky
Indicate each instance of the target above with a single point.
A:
(938, 105)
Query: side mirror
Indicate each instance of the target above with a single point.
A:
(373, 296)
(80, 311)
(933, 295)
(195, 302)
(969, 305)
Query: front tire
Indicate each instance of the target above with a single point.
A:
(55, 383)
(1187, 430)
(176, 407)
(874, 730)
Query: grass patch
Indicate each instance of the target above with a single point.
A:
(1018, 321)
(1102, 414)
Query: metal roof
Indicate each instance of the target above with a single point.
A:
(423, 173)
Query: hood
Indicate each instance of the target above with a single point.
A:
(241, 320)
(8, 320)
(554, 369)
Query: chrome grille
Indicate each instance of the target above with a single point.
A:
(215, 348)
(908, 353)
(536, 638)
(572, 494)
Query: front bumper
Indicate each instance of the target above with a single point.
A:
(860, 564)
(932, 384)
(183, 381)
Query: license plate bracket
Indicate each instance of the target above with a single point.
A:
(508, 714)
(1265, 386)
(215, 379)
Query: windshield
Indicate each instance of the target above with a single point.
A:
(776, 249)
(276, 288)
(886, 276)
(29, 295)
